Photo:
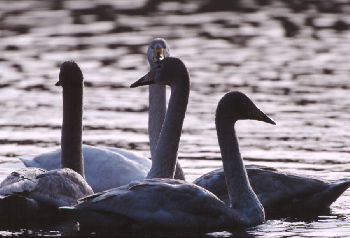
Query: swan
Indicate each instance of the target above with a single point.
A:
(41, 192)
(280, 193)
(160, 202)
(157, 50)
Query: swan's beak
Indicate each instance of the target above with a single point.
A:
(158, 54)
(58, 83)
(259, 115)
(146, 80)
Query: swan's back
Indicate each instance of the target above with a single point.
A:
(61, 187)
(133, 156)
(154, 203)
(105, 168)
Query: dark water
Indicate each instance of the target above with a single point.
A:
(302, 82)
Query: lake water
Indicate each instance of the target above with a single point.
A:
(302, 82)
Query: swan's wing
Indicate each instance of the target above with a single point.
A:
(155, 203)
(104, 168)
(21, 174)
(61, 187)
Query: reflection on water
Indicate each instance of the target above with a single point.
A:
(324, 226)
(294, 67)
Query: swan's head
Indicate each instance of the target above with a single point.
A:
(237, 106)
(70, 73)
(168, 71)
(157, 50)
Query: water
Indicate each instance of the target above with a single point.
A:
(301, 82)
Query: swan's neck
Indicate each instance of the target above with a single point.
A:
(72, 126)
(242, 196)
(163, 163)
(156, 114)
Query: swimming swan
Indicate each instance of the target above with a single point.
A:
(281, 194)
(158, 202)
(36, 193)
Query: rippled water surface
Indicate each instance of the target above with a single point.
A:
(302, 82)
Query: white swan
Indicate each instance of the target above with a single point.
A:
(280, 193)
(38, 192)
(168, 203)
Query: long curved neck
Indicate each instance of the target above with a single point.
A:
(156, 114)
(72, 126)
(163, 163)
(241, 194)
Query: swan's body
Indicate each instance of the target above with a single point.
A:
(281, 194)
(169, 203)
(38, 192)
(102, 165)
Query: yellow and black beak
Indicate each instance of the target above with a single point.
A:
(158, 54)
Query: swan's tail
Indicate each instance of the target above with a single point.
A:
(309, 205)
(29, 161)
(330, 195)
